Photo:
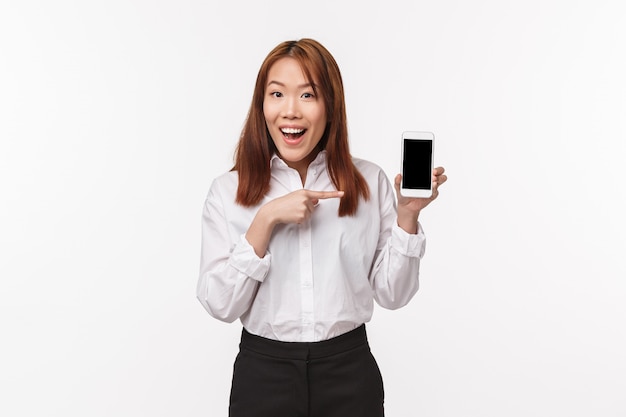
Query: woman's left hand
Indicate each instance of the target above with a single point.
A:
(410, 207)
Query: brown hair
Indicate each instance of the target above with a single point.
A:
(256, 147)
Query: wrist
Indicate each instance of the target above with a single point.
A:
(407, 220)
(266, 217)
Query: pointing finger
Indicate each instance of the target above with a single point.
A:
(321, 195)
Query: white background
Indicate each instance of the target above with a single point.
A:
(116, 115)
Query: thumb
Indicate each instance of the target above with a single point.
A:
(397, 181)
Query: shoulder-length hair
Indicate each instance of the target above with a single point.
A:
(255, 148)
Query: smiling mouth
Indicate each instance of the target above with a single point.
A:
(292, 133)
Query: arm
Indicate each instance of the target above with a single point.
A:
(295, 207)
(395, 273)
(230, 270)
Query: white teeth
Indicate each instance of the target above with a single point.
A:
(290, 130)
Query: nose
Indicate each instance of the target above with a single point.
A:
(291, 109)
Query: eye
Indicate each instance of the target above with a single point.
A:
(308, 95)
(276, 94)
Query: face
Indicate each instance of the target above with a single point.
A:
(295, 116)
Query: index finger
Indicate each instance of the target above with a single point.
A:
(321, 195)
(439, 171)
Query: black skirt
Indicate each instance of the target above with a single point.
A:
(338, 377)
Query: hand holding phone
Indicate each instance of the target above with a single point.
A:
(417, 164)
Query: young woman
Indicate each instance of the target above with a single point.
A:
(298, 240)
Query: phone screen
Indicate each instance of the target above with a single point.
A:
(416, 164)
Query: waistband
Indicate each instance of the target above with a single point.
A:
(304, 350)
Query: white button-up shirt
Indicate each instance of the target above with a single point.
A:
(318, 279)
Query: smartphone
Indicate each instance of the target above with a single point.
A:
(417, 164)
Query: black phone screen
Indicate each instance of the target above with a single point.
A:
(416, 164)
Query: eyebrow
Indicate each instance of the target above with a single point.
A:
(282, 85)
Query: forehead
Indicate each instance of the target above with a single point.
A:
(288, 70)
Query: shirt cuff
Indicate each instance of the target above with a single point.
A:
(246, 261)
(408, 244)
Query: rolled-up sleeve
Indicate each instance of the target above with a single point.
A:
(412, 245)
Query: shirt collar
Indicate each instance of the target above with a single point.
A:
(320, 159)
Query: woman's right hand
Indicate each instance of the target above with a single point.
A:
(295, 207)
